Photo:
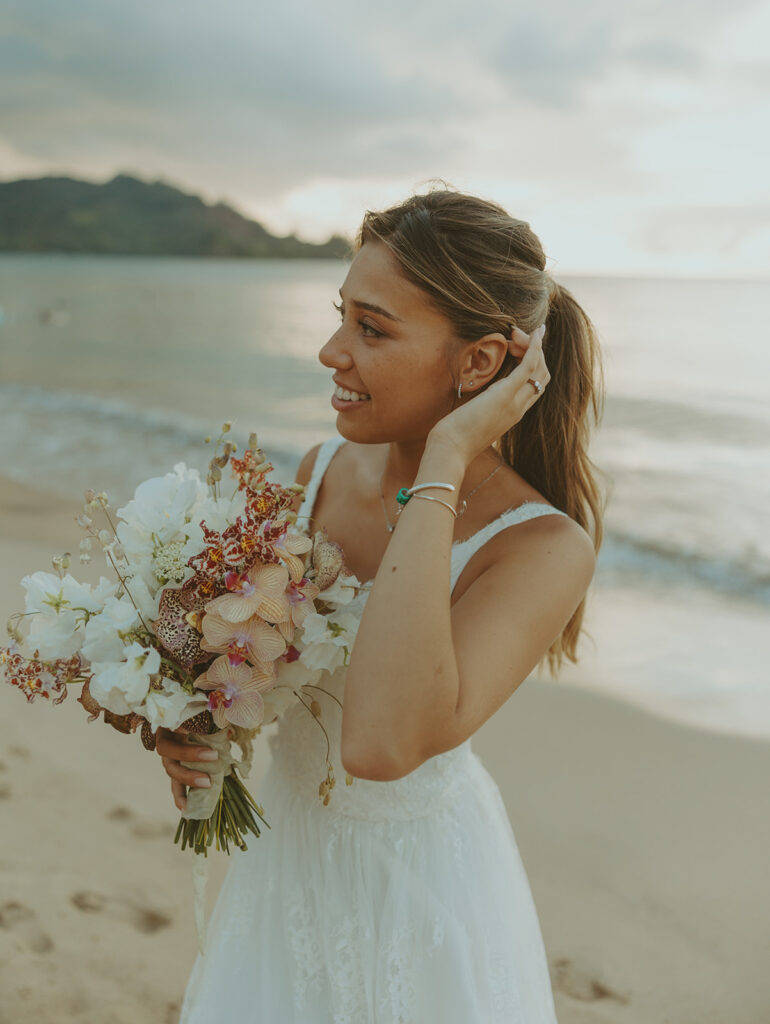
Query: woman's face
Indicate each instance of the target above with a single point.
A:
(392, 344)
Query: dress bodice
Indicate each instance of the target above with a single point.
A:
(299, 747)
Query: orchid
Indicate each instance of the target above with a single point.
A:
(253, 639)
(259, 591)
(288, 546)
(235, 693)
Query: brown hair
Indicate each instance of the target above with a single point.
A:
(485, 271)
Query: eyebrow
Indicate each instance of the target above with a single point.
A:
(372, 308)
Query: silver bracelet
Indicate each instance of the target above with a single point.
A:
(421, 487)
(446, 504)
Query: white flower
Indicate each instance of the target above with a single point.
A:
(59, 609)
(162, 512)
(170, 706)
(219, 513)
(328, 639)
(147, 603)
(103, 642)
(342, 591)
(122, 687)
(54, 634)
(276, 702)
(47, 593)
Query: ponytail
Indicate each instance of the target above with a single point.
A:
(549, 445)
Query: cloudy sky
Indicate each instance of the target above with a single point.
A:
(632, 136)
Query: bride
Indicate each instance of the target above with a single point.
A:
(460, 488)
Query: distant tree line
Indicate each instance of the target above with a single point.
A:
(127, 216)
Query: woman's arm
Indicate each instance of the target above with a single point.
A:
(423, 676)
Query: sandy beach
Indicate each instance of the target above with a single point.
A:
(646, 843)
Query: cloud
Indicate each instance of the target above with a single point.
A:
(268, 106)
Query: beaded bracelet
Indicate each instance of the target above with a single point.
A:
(406, 493)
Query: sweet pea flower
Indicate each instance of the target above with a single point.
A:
(328, 639)
(122, 687)
(170, 706)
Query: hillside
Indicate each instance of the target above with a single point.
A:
(127, 216)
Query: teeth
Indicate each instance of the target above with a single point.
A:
(350, 396)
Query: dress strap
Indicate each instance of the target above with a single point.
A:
(463, 550)
(322, 460)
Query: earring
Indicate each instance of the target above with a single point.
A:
(460, 388)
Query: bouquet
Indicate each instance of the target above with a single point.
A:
(203, 625)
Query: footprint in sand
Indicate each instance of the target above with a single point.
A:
(146, 829)
(120, 813)
(22, 922)
(580, 983)
(144, 919)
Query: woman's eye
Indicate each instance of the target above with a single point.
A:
(366, 328)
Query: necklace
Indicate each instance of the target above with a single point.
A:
(392, 526)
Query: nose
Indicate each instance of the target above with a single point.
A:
(334, 353)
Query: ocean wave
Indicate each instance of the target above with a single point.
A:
(658, 527)
(624, 556)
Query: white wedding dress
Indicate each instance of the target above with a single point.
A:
(400, 902)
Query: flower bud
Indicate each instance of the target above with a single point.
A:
(85, 558)
(105, 538)
(83, 521)
(85, 544)
(253, 441)
(118, 550)
(89, 495)
(207, 440)
(226, 427)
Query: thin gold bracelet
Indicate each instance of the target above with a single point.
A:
(446, 504)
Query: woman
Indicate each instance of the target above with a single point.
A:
(405, 900)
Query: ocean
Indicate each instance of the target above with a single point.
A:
(112, 369)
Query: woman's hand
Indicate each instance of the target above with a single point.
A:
(479, 422)
(173, 750)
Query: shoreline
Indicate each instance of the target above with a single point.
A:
(45, 520)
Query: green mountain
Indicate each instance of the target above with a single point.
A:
(127, 216)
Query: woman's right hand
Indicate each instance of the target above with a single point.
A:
(172, 750)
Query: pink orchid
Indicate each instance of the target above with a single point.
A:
(259, 591)
(300, 596)
(236, 693)
(252, 639)
(288, 547)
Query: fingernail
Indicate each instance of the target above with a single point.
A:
(203, 780)
(208, 755)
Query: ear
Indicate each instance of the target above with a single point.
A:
(487, 354)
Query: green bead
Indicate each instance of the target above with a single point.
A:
(402, 497)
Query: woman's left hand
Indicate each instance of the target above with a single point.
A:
(478, 423)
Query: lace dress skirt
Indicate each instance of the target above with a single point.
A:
(400, 902)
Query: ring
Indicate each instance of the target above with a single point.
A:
(536, 385)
